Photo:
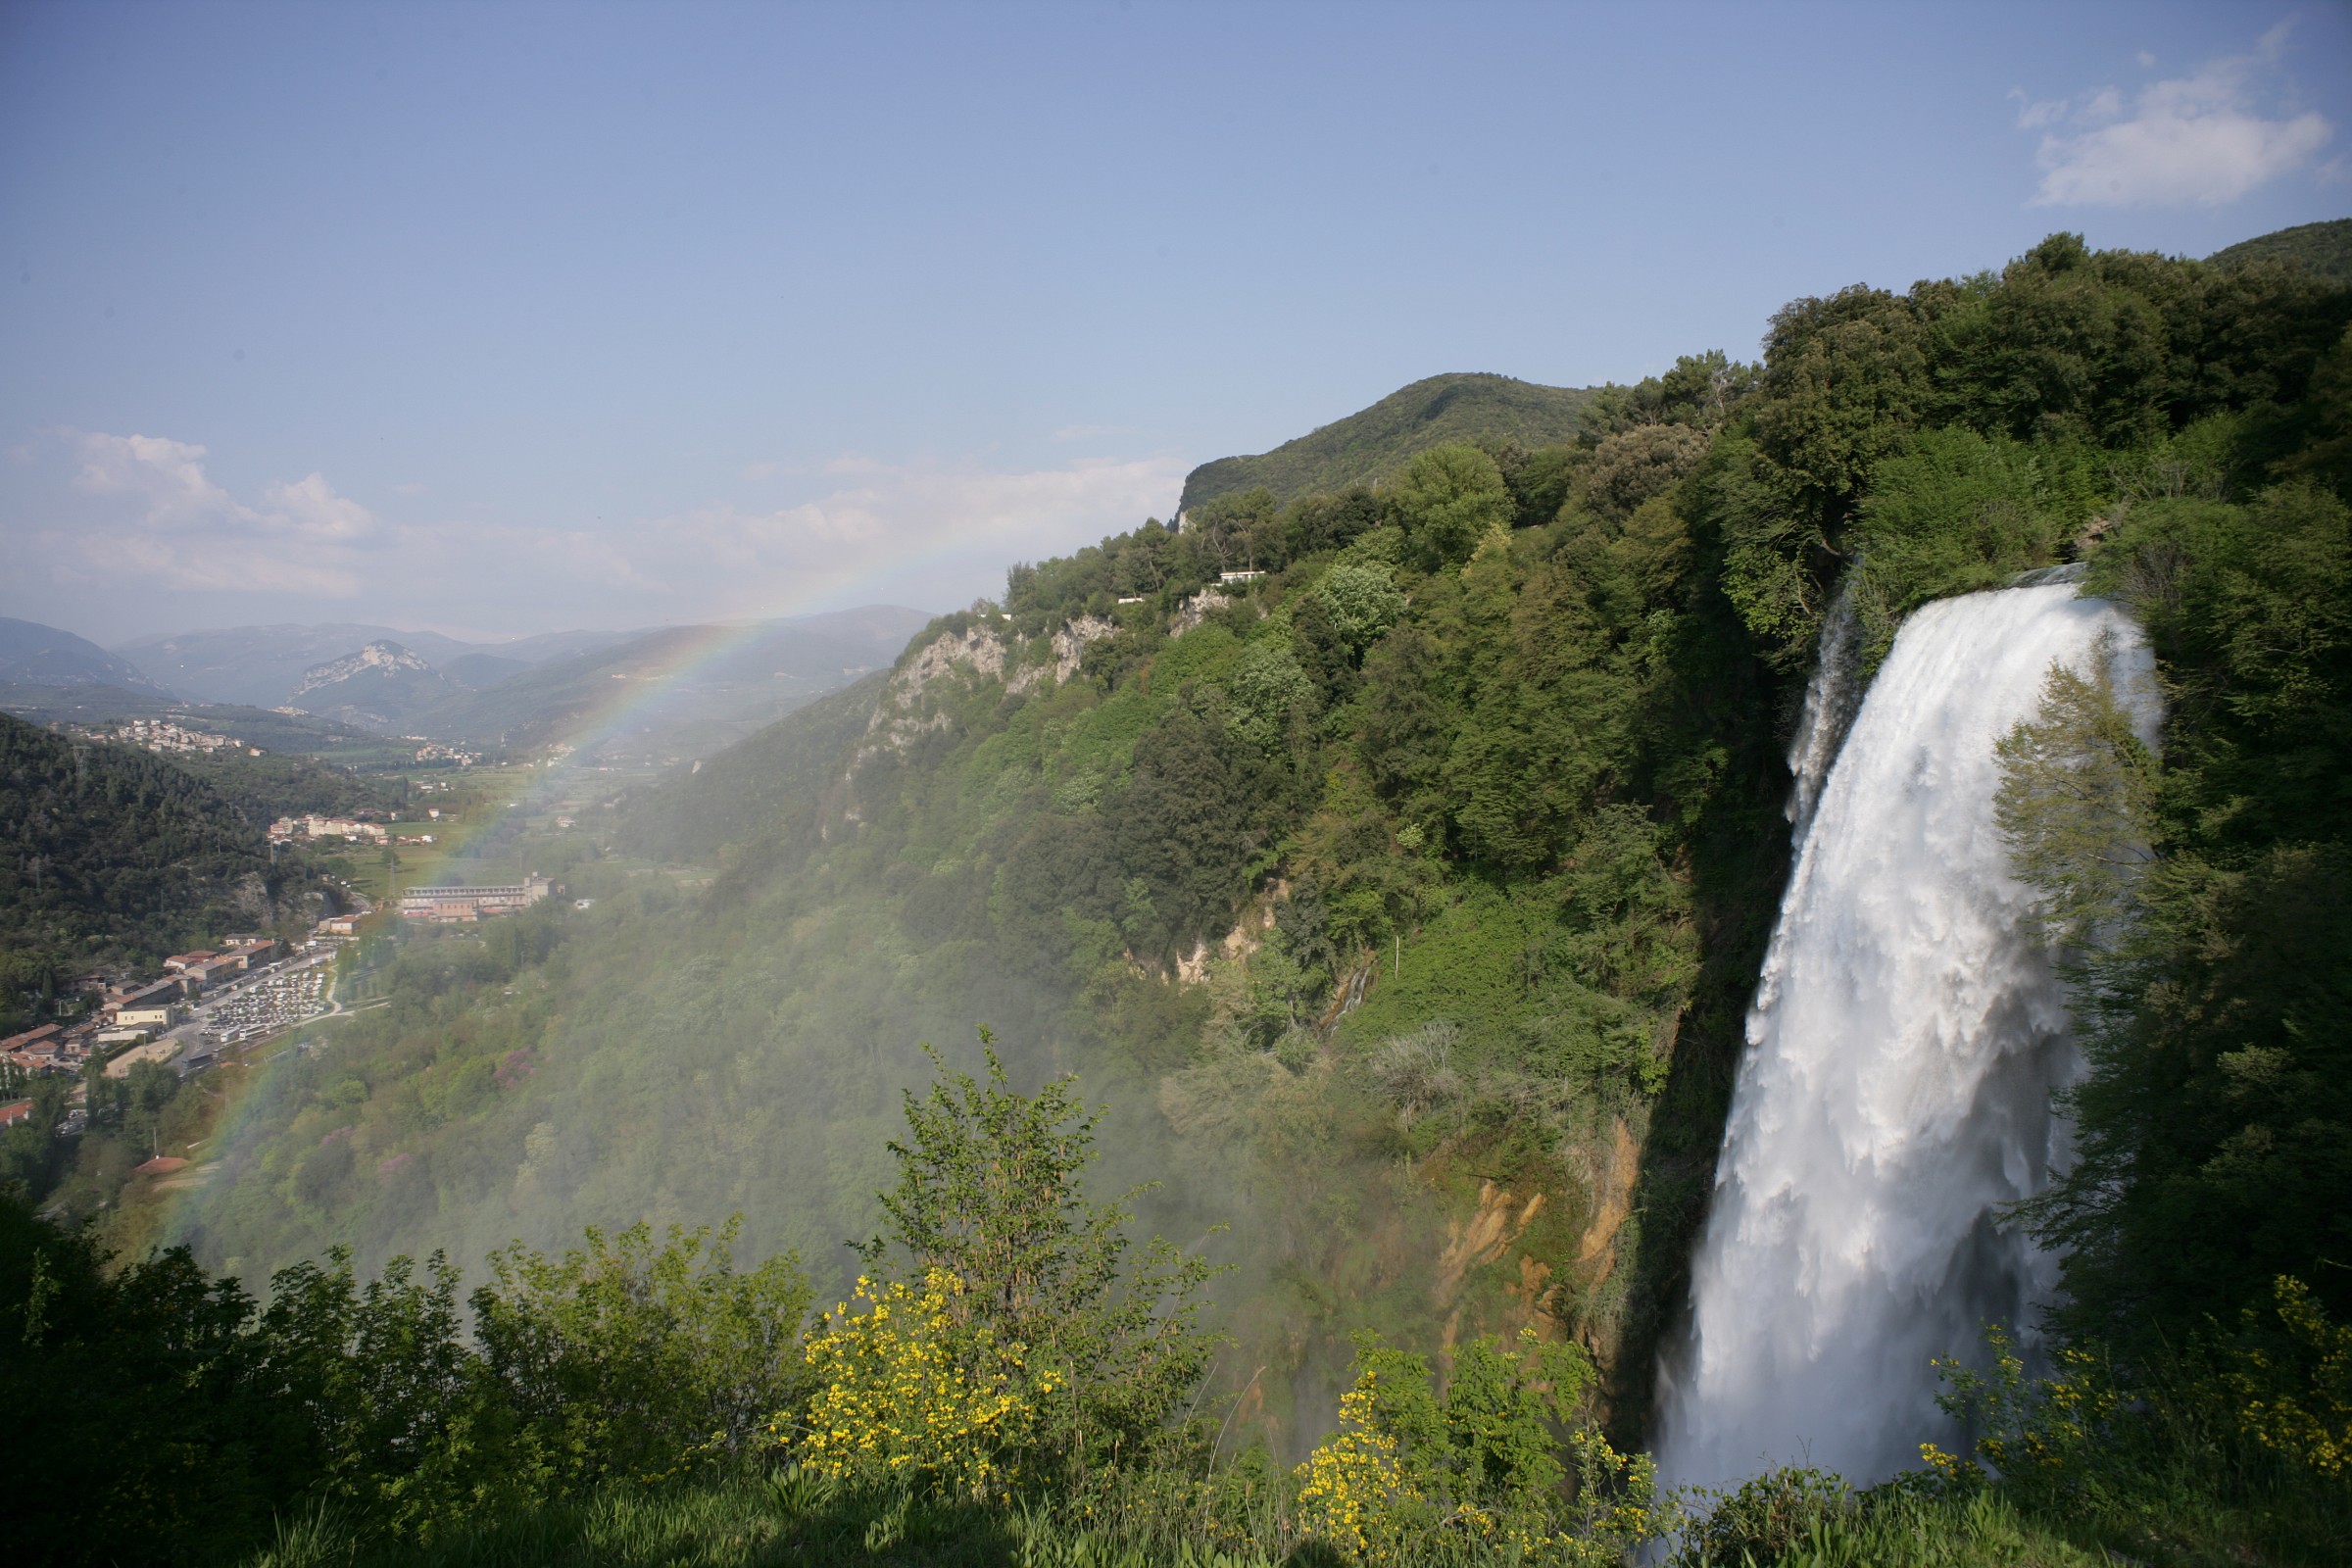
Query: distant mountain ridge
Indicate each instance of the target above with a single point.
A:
(35, 655)
(261, 665)
(1374, 443)
(382, 686)
(684, 689)
(377, 657)
(671, 691)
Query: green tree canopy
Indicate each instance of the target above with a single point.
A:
(1448, 500)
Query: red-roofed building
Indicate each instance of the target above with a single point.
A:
(35, 1048)
(212, 972)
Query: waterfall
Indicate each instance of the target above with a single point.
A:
(1902, 1047)
(1831, 698)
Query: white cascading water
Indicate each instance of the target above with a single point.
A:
(1906, 1035)
(1831, 698)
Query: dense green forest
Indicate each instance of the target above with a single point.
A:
(274, 784)
(749, 790)
(111, 855)
(1400, 908)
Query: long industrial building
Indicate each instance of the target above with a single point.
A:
(449, 905)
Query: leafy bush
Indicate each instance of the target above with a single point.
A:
(1022, 1289)
(913, 1392)
(622, 1360)
(1480, 1463)
(1363, 602)
(1954, 511)
(1766, 1519)
(1268, 687)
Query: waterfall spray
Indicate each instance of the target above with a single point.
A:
(1905, 1038)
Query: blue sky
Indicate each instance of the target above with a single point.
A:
(498, 318)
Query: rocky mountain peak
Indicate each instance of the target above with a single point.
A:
(383, 657)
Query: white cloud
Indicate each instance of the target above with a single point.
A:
(313, 508)
(182, 531)
(167, 478)
(2035, 113)
(889, 523)
(928, 533)
(2207, 138)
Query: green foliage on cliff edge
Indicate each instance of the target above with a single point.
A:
(1967, 429)
(2212, 963)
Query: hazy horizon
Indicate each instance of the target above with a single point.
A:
(492, 640)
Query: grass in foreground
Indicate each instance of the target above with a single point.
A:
(2174, 1521)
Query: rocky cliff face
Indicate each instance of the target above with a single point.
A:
(381, 687)
(377, 657)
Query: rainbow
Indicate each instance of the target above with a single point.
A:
(701, 648)
(698, 650)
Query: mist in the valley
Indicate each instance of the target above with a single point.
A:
(717, 1017)
(716, 1020)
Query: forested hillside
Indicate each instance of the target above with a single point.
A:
(750, 791)
(1377, 442)
(274, 784)
(1403, 903)
(109, 855)
(2322, 248)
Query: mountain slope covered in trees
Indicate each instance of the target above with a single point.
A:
(1402, 905)
(1375, 443)
(33, 654)
(108, 854)
(2322, 248)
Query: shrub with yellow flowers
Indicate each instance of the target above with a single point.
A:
(907, 1394)
(1096, 1348)
(2281, 1385)
(2294, 1396)
(1352, 1493)
(2034, 1432)
(1501, 1457)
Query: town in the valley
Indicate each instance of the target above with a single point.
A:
(210, 1002)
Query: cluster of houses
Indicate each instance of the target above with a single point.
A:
(136, 1011)
(164, 735)
(448, 905)
(435, 752)
(288, 828)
